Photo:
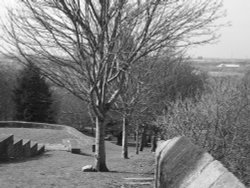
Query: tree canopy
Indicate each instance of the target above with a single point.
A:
(32, 97)
(87, 47)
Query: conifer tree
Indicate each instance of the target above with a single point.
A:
(32, 97)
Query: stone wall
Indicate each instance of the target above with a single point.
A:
(33, 125)
(5, 141)
(13, 149)
(22, 124)
(181, 164)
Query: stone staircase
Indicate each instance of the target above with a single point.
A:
(12, 148)
(138, 182)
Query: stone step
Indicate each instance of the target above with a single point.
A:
(56, 147)
(137, 185)
(138, 182)
(26, 148)
(33, 148)
(139, 179)
(15, 150)
(4, 137)
(40, 149)
(5, 142)
(11, 148)
(73, 145)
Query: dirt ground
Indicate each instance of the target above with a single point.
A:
(63, 169)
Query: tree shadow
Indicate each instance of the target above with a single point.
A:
(84, 154)
(22, 160)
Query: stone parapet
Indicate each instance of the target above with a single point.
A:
(181, 164)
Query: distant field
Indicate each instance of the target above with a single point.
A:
(209, 65)
(219, 67)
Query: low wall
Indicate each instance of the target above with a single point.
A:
(23, 124)
(33, 125)
(181, 164)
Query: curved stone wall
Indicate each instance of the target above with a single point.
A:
(181, 164)
(22, 124)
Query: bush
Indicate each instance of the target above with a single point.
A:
(71, 111)
(177, 79)
(7, 81)
(218, 122)
(33, 97)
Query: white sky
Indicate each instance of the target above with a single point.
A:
(234, 41)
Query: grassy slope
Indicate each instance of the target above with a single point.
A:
(63, 169)
(38, 135)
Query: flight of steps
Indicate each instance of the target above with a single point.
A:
(11, 149)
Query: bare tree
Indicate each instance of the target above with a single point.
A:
(71, 110)
(130, 101)
(82, 45)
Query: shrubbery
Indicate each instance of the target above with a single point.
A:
(7, 81)
(32, 97)
(218, 122)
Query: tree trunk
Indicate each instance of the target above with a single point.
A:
(125, 138)
(153, 143)
(149, 139)
(143, 139)
(100, 155)
(119, 139)
(137, 140)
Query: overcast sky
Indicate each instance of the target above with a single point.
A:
(234, 41)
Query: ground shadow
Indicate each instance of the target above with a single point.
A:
(22, 160)
(84, 154)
